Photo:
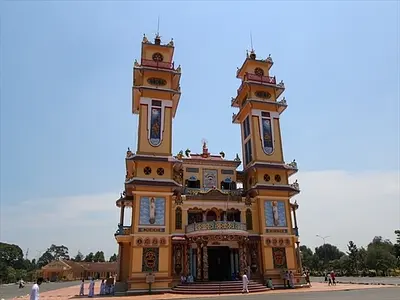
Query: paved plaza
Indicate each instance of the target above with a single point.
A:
(317, 291)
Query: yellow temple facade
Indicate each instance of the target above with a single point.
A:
(197, 214)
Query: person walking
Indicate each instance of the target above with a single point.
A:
(245, 282)
(82, 288)
(35, 290)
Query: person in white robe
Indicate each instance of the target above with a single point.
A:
(245, 282)
(103, 287)
(35, 290)
(82, 288)
(91, 288)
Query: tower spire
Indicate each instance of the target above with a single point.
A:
(158, 26)
(251, 42)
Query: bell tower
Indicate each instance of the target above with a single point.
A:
(155, 96)
(266, 175)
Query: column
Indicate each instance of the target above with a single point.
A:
(194, 267)
(122, 215)
(205, 262)
(198, 262)
(232, 262)
(236, 260)
(300, 264)
(119, 262)
(184, 260)
(187, 267)
(242, 258)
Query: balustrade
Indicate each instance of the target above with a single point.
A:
(123, 230)
(157, 64)
(215, 225)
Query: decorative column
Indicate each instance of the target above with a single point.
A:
(198, 266)
(205, 261)
(122, 215)
(295, 206)
(187, 265)
(232, 262)
(300, 264)
(242, 257)
(119, 262)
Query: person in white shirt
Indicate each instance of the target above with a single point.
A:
(91, 288)
(82, 289)
(245, 282)
(35, 290)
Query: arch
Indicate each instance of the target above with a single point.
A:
(178, 218)
(211, 216)
(249, 219)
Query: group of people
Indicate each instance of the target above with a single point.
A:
(330, 278)
(187, 279)
(105, 289)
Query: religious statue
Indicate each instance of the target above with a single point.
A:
(275, 213)
(145, 40)
(152, 219)
(171, 43)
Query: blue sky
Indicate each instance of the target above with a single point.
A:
(66, 77)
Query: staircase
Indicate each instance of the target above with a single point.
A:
(217, 287)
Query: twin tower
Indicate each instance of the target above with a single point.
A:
(196, 214)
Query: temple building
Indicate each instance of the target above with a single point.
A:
(196, 213)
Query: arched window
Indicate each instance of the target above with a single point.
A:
(178, 218)
(249, 219)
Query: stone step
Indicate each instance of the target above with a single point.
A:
(223, 287)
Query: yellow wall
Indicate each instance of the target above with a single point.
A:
(163, 75)
(149, 50)
(252, 64)
(144, 146)
(258, 153)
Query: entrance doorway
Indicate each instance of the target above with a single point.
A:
(219, 264)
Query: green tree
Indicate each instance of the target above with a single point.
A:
(327, 252)
(113, 258)
(11, 255)
(79, 257)
(58, 252)
(99, 257)
(11, 274)
(396, 250)
(353, 258)
(45, 259)
(89, 257)
(380, 256)
(306, 257)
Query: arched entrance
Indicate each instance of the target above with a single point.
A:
(211, 216)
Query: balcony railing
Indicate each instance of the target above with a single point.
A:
(296, 231)
(195, 191)
(215, 226)
(261, 79)
(123, 230)
(157, 64)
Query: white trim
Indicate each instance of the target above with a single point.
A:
(273, 115)
(149, 179)
(164, 103)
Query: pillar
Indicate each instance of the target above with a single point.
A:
(236, 260)
(232, 262)
(300, 264)
(205, 262)
(187, 265)
(119, 262)
(242, 258)
(198, 266)
(122, 215)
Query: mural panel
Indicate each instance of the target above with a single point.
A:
(268, 144)
(279, 258)
(275, 214)
(155, 126)
(152, 211)
(150, 260)
(210, 178)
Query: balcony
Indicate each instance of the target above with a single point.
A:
(260, 79)
(217, 227)
(123, 230)
(157, 64)
(296, 231)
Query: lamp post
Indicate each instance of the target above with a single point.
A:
(323, 239)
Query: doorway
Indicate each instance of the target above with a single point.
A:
(219, 264)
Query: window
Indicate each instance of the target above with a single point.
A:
(160, 171)
(178, 218)
(267, 177)
(193, 184)
(248, 155)
(278, 178)
(147, 170)
(246, 127)
(249, 219)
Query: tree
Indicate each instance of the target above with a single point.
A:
(396, 250)
(328, 252)
(89, 257)
(45, 259)
(114, 257)
(380, 256)
(354, 258)
(58, 252)
(99, 257)
(306, 256)
(11, 255)
(79, 257)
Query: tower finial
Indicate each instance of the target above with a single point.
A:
(251, 42)
(158, 26)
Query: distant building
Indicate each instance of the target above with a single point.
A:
(71, 270)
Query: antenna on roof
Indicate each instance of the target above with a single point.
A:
(158, 25)
(251, 41)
